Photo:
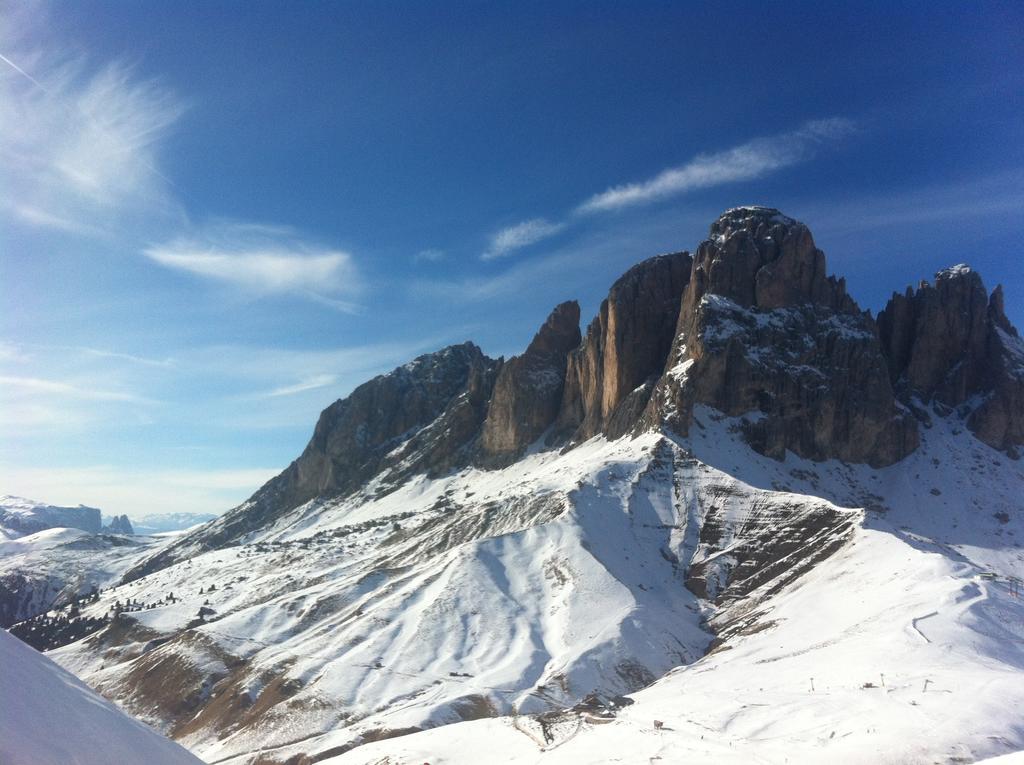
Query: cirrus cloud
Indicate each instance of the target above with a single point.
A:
(263, 260)
(520, 235)
(744, 162)
(80, 143)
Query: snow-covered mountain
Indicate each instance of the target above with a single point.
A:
(775, 522)
(52, 567)
(50, 555)
(159, 523)
(52, 718)
(20, 516)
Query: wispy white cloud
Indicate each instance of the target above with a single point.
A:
(263, 260)
(263, 271)
(36, 403)
(65, 389)
(144, 360)
(311, 383)
(79, 143)
(22, 352)
(588, 262)
(521, 235)
(744, 162)
(41, 218)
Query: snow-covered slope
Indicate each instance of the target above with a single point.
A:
(906, 646)
(598, 570)
(48, 568)
(889, 652)
(482, 593)
(49, 717)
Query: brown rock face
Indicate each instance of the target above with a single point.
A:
(764, 331)
(752, 326)
(952, 344)
(759, 258)
(610, 377)
(528, 389)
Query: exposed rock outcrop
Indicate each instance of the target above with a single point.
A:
(528, 390)
(752, 326)
(119, 524)
(610, 377)
(950, 343)
(765, 332)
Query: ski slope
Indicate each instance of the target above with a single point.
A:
(466, 605)
(890, 651)
(49, 717)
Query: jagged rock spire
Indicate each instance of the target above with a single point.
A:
(609, 378)
(528, 390)
(951, 343)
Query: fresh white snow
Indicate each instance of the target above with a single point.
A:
(509, 592)
(49, 717)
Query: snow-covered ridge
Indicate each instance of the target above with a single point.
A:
(486, 592)
(50, 717)
(526, 589)
(51, 567)
(906, 645)
(960, 269)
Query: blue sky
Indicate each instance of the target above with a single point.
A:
(217, 218)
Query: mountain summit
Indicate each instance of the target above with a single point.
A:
(751, 325)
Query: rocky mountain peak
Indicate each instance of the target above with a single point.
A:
(610, 377)
(950, 343)
(755, 219)
(927, 332)
(765, 332)
(119, 524)
(559, 334)
(420, 417)
(528, 389)
(759, 258)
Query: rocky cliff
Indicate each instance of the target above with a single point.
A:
(950, 343)
(764, 331)
(528, 389)
(20, 516)
(752, 325)
(610, 376)
(119, 524)
(423, 417)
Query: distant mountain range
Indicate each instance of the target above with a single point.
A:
(160, 523)
(20, 516)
